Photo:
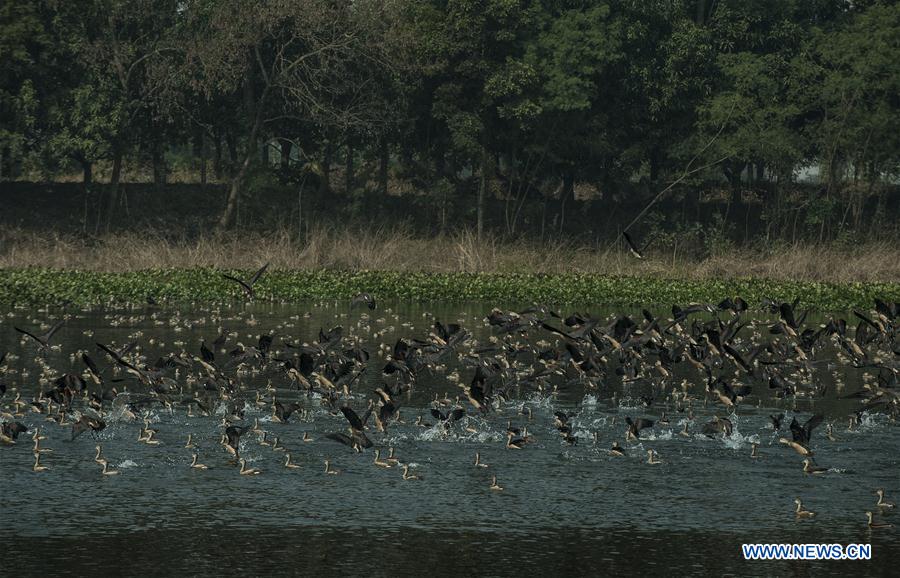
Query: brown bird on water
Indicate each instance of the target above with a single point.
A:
(881, 502)
(800, 512)
(876, 525)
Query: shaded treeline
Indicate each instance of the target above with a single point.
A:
(535, 118)
(696, 222)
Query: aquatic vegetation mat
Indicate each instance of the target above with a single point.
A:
(36, 286)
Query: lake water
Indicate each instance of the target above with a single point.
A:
(565, 509)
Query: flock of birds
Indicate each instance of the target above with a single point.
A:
(707, 355)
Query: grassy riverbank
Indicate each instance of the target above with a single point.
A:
(35, 286)
(37, 269)
(461, 252)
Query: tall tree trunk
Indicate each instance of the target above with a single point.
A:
(234, 191)
(479, 206)
(217, 159)
(383, 166)
(479, 209)
(200, 154)
(701, 12)
(348, 171)
(654, 164)
(114, 181)
(287, 148)
(159, 166)
(567, 193)
(325, 182)
(87, 172)
(231, 141)
(440, 162)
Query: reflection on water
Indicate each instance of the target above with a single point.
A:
(235, 550)
(570, 509)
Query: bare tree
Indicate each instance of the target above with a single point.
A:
(313, 60)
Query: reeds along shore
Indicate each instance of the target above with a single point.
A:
(398, 250)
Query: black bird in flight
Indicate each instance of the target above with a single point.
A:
(44, 339)
(364, 298)
(247, 286)
(632, 248)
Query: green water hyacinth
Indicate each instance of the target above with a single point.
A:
(36, 286)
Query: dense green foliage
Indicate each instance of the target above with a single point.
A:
(38, 287)
(517, 99)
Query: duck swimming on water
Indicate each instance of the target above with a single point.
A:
(881, 502)
(289, 464)
(380, 462)
(800, 512)
(810, 468)
(245, 471)
(392, 459)
(150, 440)
(38, 449)
(106, 471)
(195, 464)
(514, 444)
(37, 467)
(876, 525)
(409, 476)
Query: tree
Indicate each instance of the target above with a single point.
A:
(856, 126)
(307, 60)
(22, 38)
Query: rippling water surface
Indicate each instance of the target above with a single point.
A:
(565, 509)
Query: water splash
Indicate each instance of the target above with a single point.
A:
(589, 401)
(664, 435)
(628, 403)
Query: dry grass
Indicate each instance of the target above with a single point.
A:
(397, 250)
